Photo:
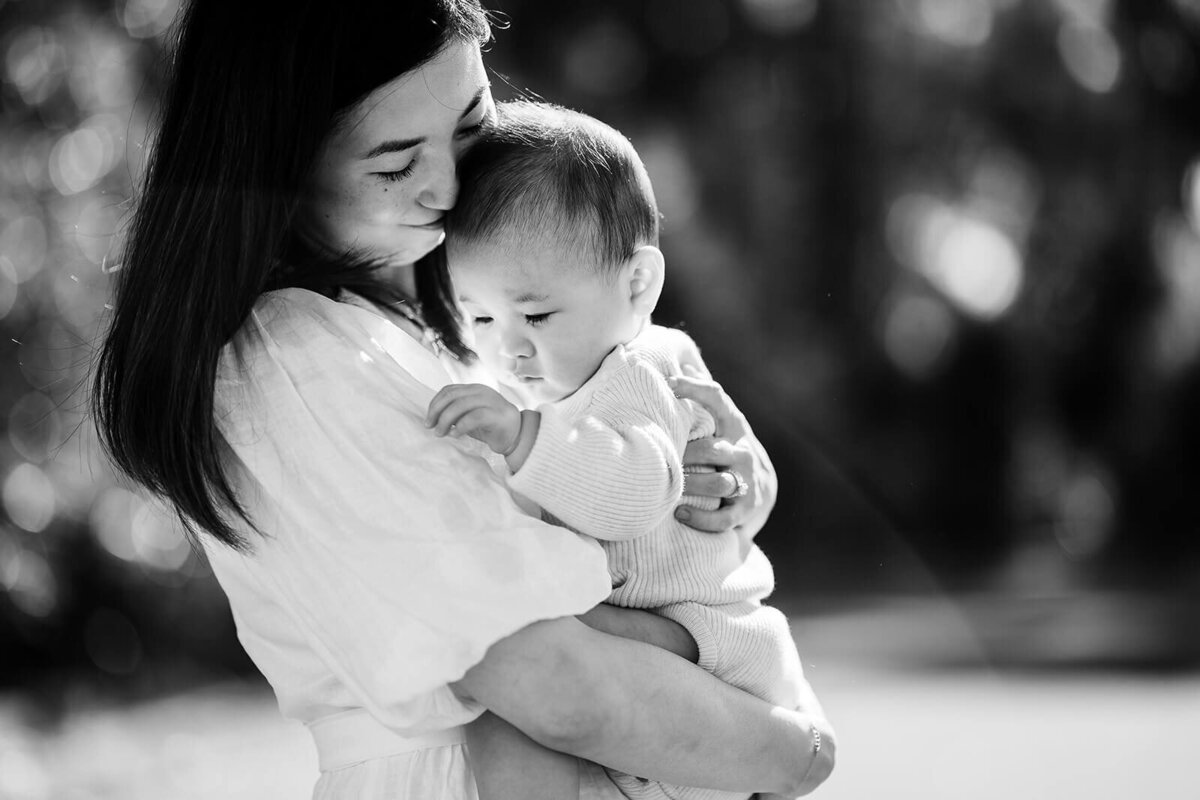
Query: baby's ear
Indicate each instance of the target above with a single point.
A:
(646, 270)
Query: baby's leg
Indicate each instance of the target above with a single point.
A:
(508, 765)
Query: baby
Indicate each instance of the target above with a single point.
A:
(552, 251)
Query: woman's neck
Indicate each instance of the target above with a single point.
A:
(401, 276)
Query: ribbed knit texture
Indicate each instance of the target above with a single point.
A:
(608, 463)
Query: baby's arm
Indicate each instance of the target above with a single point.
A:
(508, 765)
(612, 470)
(615, 472)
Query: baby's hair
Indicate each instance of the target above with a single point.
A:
(546, 173)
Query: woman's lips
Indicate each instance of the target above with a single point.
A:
(436, 225)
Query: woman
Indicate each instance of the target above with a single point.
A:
(267, 370)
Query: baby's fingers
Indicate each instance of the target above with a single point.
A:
(438, 404)
(452, 415)
(447, 395)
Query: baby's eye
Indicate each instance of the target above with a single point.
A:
(480, 320)
(537, 319)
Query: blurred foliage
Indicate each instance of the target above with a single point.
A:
(944, 253)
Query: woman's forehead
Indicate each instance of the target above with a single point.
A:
(420, 102)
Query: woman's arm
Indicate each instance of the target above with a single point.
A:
(643, 626)
(641, 710)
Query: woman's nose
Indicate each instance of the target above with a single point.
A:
(441, 189)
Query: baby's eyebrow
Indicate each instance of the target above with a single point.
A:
(530, 297)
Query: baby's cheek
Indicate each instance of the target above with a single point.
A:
(485, 347)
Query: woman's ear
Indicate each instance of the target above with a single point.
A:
(646, 270)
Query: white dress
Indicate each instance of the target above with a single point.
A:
(388, 560)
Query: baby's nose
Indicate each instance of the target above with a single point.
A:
(516, 346)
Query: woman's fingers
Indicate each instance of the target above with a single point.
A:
(710, 452)
(730, 424)
(718, 521)
(735, 453)
(727, 459)
(710, 484)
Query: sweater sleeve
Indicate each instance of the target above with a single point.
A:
(613, 471)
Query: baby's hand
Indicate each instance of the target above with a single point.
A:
(477, 411)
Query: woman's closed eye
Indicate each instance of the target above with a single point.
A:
(481, 320)
(397, 175)
(472, 131)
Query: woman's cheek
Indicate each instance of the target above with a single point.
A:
(385, 205)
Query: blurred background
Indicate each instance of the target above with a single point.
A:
(945, 254)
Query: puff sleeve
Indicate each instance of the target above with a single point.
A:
(394, 558)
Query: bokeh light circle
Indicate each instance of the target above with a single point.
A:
(34, 427)
(78, 161)
(29, 499)
(23, 246)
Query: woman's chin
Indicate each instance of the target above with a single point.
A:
(418, 246)
(398, 254)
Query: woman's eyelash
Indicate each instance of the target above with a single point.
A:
(399, 174)
(480, 320)
(479, 127)
(474, 130)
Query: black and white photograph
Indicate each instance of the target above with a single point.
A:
(555, 399)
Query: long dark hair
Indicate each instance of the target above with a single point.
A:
(254, 89)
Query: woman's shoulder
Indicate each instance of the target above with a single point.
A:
(297, 342)
(301, 328)
(292, 315)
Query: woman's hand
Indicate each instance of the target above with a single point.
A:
(734, 453)
(822, 758)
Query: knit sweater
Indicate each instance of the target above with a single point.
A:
(608, 462)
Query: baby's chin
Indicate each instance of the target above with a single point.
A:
(532, 393)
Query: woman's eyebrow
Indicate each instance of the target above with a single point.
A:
(392, 146)
(399, 145)
(474, 101)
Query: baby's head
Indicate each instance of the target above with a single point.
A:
(552, 247)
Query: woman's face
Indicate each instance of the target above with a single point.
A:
(386, 175)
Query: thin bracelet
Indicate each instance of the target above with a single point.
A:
(816, 735)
